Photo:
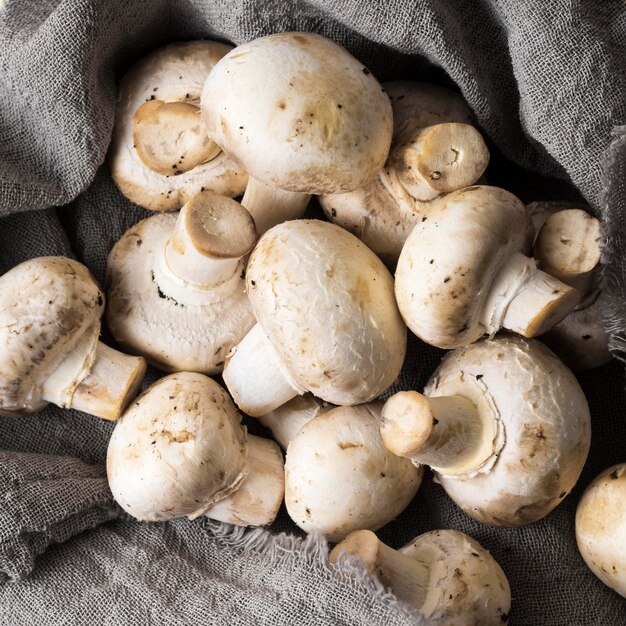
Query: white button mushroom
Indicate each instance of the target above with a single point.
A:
(180, 449)
(327, 321)
(503, 423)
(160, 155)
(463, 273)
(339, 477)
(176, 285)
(448, 576)
(302, 116)
(50, 311)
(435, 150)
(601, 527)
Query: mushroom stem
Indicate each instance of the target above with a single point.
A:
(448, 433)
(104, 389)
(255, 376)
(257, 501)
(440, 159)
(526, 300)
(270, 206)
(288, 419)
(408, 577)
(568, 248)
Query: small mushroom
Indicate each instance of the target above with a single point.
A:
(463, 273)
(160, 155)
(436, 149)
(288, 419)
(327, 321)
(339, 477)
(302, 116)
(176, 285)
(503, 423)
(50, 310)
(446, 575)
(568, 247)
(601, 527)
(180, 449)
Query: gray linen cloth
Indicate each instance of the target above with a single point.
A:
(547, 80)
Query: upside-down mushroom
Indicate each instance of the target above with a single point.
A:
(302, 116)
(176, 285)
(436, 149)
(160, 156)
(446, 575)
(504, 425)
(463, 272)
(180, 449)
(339, 477)
(50, 310)
(327, 321)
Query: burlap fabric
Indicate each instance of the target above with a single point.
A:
(547, 80)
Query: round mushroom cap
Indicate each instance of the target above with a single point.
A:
(451, 258)
(382, 214)
(543, 417)
(173, 74)
(601, 527)
(339, 477)
(171, 335)
(177, 450)
(299, 113)
(46, 305)
(467, 585)
(326, 304)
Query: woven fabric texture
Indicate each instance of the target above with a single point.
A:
(547, 81)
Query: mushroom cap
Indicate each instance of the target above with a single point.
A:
(601, 527)
(544, 418)
(467, 585)
(175, 73)
(339, 477)
(326, 304)
(46, 305)
(382, 213)
(451, 258)
(177, 450)
(298, 112)
(172, 336)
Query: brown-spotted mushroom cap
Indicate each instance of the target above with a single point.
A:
(448, 576)
(503, 423)
(160, 156)
(601, 527)
(177, 450)
(300, 115)
(50, 309)
(176, 287)
(327, 321)
(436, 149)
(463, 273)
(339, 477)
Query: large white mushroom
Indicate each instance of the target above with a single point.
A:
(327, 321)
(463, 272)
(160, 156)
(436, 149)
(180, 449)
(176, 285)
(50, 310)
(446, 575)
(302, 116)
(601, 527)
(339, 477)
(503, 423)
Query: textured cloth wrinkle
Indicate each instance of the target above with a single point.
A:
(547, 82)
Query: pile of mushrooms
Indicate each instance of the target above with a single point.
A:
(309, 327)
